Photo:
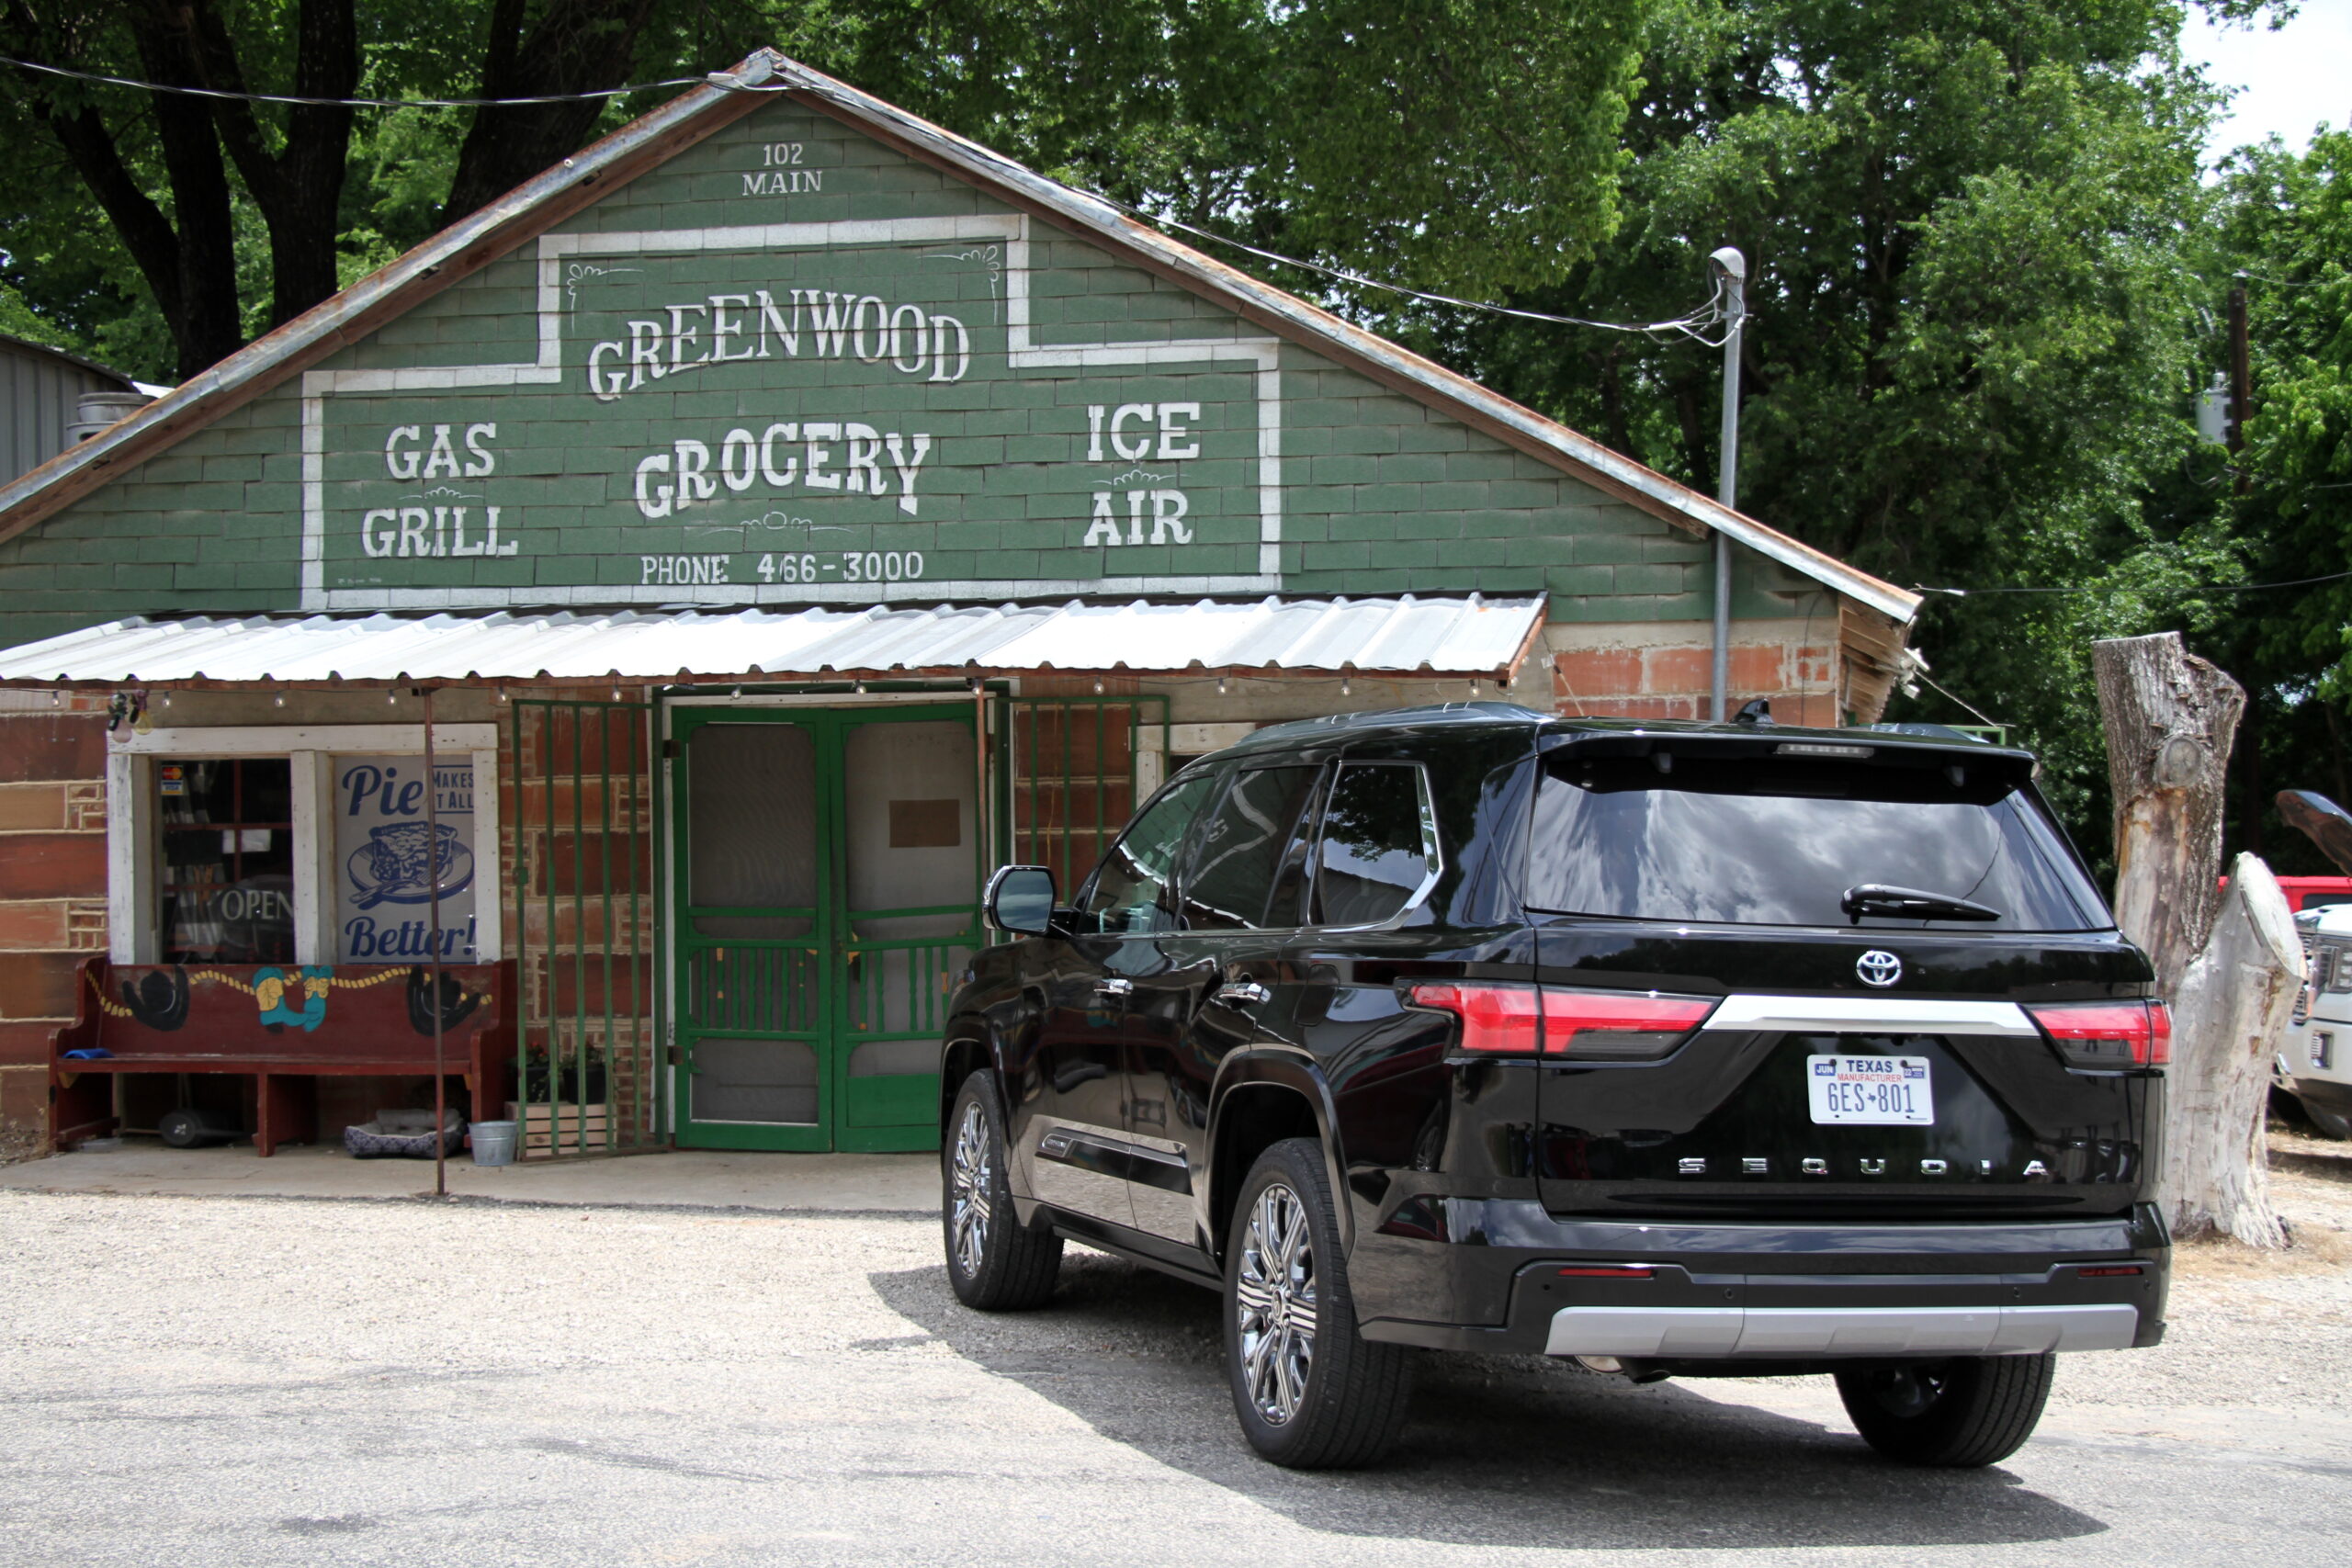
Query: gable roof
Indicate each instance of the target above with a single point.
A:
(536, 205)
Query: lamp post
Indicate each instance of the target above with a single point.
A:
(1731, 271)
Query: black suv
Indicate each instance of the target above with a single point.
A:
(1694, 1050)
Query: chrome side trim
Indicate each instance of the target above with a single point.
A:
(1785, 1332)
(1894, 1015)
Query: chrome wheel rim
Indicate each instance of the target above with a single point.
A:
(969, 1183)
(1273, 1304)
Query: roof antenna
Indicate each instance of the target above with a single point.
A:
(1757, 712)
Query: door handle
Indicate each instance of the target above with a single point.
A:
(1247, 993)
(1113, 987)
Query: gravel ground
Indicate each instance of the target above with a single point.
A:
(249, 1382)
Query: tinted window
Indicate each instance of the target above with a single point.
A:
(1132, 890)
(1378, 847)
(1760, 842)
(1242, 849)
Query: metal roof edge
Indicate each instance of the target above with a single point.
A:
(127, 383)
(317, 332)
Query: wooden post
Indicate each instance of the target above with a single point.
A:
(2169, 718)
(2230, 1015)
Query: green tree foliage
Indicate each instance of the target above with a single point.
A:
(2288, 238)
(1472, 144)
(1970, 227)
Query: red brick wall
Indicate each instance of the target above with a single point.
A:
(1661, 672)
(52, 898)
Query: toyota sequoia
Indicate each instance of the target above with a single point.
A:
(1729, 1049)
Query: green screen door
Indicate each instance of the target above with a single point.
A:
(829, 872)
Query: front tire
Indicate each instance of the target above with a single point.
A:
(1312, 1393)
(2327, 1124)
(993, 1263)
(1964, 1412)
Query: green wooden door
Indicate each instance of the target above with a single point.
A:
(828, 866)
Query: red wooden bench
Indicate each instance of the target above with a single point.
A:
(285, 1026)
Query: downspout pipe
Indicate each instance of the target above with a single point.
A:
(1731, 272)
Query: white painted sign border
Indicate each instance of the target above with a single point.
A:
(1024, 354)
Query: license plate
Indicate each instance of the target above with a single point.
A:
(1870, 1092)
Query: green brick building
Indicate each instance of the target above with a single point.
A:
(789, 509)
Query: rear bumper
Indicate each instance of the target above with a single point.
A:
(1780, 1333)
(1757, 1293)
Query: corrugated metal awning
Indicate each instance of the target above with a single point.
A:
(1466, 637)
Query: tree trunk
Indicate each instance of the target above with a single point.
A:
(2227, 1016)
(575, 46)
(2169, 717)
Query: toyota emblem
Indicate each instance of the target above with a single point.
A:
(1879, 967)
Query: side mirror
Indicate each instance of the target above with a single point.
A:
(1020, 899)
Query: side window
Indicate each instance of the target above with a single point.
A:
(1132, 891)
(1241, 848)
(1379, 849)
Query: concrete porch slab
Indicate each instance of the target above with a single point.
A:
(693, 1178)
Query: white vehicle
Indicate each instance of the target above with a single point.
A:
(2315, 1065)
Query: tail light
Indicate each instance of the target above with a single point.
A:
(2109, 1035)
(1619, 1026)
(1496, 1021)
(1601, 1026)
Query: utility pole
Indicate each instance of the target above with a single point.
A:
(2240, 381)
(1731, 270)
(2249, 750)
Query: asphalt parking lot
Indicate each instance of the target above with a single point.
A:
(256, 1380)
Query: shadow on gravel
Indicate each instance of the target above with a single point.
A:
(1502, 1451)
(2329, 1167)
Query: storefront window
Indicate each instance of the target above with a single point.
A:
(226, 882)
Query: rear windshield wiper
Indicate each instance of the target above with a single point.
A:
(1910, 904)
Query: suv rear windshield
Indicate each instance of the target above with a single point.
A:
(1760, 841)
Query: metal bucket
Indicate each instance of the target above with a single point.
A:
(493, 1143)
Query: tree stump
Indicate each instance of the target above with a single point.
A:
(2169, 718)
(2227, 1016)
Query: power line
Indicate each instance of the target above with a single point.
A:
(1691, 325)
(358, 103)
(2131, 588)
(2284, 282)
(1707, 315)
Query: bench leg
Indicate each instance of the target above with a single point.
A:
(81, 1105)
(285, 1107)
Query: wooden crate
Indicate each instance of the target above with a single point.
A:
(539, 1137)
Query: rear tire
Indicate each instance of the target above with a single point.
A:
(2327, 1124)
(1964, 1412)
(1311, 1392)
(993, 1262)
